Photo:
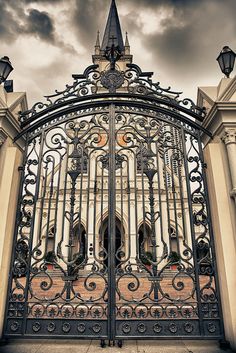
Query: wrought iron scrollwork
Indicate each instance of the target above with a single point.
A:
(113, 222)
(92, 83)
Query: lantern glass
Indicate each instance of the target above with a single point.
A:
(226, 60)
(5, 68)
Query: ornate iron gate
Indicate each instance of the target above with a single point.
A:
(113, 235)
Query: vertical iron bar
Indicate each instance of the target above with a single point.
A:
(173, 189)
(88, 193)
(64, 202)
(122, 235)
(30, 244)
(165, 177)
(81, 191)
(195, 264)
(159, 196)
(49, 201)
(95, 208)
(56, 202)
(128, 246)
(111, 226)
(143, 201)
(135, 198)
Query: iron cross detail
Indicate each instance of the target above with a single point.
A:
(113, 53)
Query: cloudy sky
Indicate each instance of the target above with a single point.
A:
(48, 40)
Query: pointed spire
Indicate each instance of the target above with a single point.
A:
(127, 46)
(97, 44)
(126, 40)
(113, 34)
(98, 40)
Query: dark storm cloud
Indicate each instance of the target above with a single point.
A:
(8, 25)
(191, 39)
(15, 21)
(183, 45)
(39, 23)
(18, 20)
(89, 17)
(43, 1)
(156, 3)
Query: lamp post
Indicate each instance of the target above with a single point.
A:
(5, 68)
(226, 60)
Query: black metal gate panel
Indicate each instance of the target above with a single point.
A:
(113, 234)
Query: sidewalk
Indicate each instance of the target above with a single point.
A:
(73, 346)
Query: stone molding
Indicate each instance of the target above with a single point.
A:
(9, 127)
(229, 136)
(3, 137)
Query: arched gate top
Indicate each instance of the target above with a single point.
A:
(130, 88)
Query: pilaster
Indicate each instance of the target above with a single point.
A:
(229, 139)
(10, 159)
(220, 156)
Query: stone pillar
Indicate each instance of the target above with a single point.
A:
(8, 203)
(220, 157)
(223, 221)
(229, 138)
(10, 160)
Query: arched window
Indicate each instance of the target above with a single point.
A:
(79, 248)
(104, 231)
(50, 256)
(173, 240)
(144, 243)
(51, 240)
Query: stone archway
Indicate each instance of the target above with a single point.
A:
(144, 242)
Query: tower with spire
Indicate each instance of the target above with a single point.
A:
(112, 35)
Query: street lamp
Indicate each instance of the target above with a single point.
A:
(226, 60)
(5, 68)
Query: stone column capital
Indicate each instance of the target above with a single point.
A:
(233, 193)
(229, 136)
(3, 137)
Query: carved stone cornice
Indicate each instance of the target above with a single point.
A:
(3, 137)
(229, 136)
(9, 127)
